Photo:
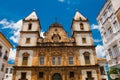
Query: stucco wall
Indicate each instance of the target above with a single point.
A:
(33, 40)
(35, 26)
(76, 26)
(88, 39)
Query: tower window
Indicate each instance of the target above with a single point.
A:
(25, 60)
(84, 40)
(87, 57)
(81, 26)
(30, 26)
(71, 75)
(27, 40)
(70, 59)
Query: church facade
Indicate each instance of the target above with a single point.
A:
(56, 56)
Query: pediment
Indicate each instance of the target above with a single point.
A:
(56, 33)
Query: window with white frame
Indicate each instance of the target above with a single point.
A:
(53, 60)
(101, 20)
(116, 51)
(59, 60)
(110, 30)
(70, 60)
(105, 34)
(56, 60)
(110, 8)
(115, 24)
(110, 53)
(41, 60)
(105, 15)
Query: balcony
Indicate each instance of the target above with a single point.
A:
(90, 78)
(57, 44)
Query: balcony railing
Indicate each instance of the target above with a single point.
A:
(90, 78)
(56, 44)
(23, 79)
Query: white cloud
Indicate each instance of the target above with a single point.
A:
(93, 26)
(14, 26)
(61, 0)
(12, 54)
(100, 51)
(97, 40)
(42, 34)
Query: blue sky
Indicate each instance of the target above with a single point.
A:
(12, 11)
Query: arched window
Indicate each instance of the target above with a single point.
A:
(30, 26)
(41, 60)
(25, 59)
(84, 40)
(87, 57)
(81, 26)
(56, 60)
(70, 60)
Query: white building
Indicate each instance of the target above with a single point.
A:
(4, 53)
(102, 63)
(109, 26)
(8, 73)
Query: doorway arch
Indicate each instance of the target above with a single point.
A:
(56, 76)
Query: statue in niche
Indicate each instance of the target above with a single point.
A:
(56, 37)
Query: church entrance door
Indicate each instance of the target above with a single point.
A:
(56, 76)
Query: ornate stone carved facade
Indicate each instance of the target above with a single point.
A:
(56, 56)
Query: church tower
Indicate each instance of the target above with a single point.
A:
(30, 31)
(81, 30)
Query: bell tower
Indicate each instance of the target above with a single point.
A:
(30, 31)
(81, 30)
